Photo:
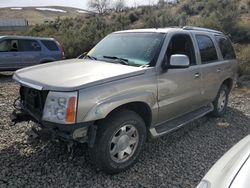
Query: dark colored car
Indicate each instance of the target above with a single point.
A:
(18, 52)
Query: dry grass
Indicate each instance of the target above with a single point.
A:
(241, 91)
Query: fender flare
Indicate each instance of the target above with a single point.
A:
(103, 108)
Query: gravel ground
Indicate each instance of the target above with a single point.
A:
(179, 159)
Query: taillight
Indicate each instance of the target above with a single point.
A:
(61, 49)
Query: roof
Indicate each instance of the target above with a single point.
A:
(13, 23)
(26, 37)
(168, 29)
(149, 30)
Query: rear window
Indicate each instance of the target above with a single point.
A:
(50, 44)
(207, 49)
(226, 47)
(29, 45)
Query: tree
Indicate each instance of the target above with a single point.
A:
(101, 6)
(161, 3)
(119, 5)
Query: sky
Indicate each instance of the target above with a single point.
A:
(82, 4)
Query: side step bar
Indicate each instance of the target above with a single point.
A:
(176, 123)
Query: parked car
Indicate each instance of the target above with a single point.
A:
(232, 170)
(131, 85)
(18, 52)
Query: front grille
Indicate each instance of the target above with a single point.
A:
(33, 101)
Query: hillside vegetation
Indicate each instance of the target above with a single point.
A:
(36, 16)
(80, 34)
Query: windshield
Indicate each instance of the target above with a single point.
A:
(134, 49)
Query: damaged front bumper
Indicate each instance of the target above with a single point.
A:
(80, 132)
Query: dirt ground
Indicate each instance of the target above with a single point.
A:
(179, 159)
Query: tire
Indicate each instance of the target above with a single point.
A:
(117, 133)
(220, 102)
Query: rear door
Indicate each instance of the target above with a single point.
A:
(31, 52)
(179, 90)
(9, 54)
(211, 66)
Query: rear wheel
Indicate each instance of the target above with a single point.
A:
(220, 102)
(118, 143)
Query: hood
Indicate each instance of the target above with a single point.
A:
(74, 74)
(226, 170)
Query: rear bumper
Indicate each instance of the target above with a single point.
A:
(78, 132)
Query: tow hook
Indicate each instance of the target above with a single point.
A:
(18, 116)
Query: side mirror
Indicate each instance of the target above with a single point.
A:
(179, 61)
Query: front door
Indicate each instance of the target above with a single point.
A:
(179, 89)
(31, 52)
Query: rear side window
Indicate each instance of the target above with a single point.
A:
(226, 47)
(50, 44)
(29, 45)
(207, 49)
(9, 45)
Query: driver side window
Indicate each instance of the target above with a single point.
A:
(181, 44)
(13, 45)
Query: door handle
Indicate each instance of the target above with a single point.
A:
(197, 75)
(219, 70)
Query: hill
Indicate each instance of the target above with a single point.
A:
(80, 32)
(39, 15)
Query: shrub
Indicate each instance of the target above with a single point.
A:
(133, 17)
(243, 54)
(81, 34)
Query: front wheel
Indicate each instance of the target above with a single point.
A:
(220, 102)
(119, 140)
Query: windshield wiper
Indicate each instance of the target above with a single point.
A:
(90, 57)
(144, 66)
(119, 59)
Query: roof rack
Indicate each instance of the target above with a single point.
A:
(201, 29)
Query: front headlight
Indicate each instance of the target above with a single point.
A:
(60, 107)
